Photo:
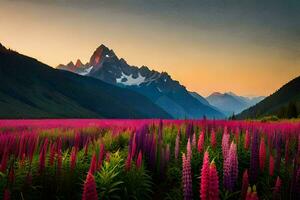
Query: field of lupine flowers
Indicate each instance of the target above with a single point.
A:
(149, 159)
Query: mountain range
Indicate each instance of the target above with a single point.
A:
(230, 103)
(283, 103)
(31, 89)
(108, 87)
(160, 88)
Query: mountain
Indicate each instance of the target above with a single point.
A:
(250, 101)
(160, 88)
(230, 103)
(285, 102)
(31, 89)
(199, 98)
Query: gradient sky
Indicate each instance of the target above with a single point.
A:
(250, 47)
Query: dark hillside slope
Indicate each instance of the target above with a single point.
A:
(278, 101)
(31, 89)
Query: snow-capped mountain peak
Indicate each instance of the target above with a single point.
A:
(159, 87)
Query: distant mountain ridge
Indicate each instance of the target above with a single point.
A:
(160, 88)
(31, 89)
(280, 103)
(230, 103)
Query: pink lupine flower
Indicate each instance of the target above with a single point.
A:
(247, 140)
(73, 158)
(213, 182)
(262, 154)
(276, 191)
(139, 160)
(90, 188)
(194, 140)
(177, 146)
(42, 157)
(201, 142)
(271, 165)
(230, 168)
(245, 184)
(204, 185)
(225, 143)
(186, 178)
(93, 166)
(213, 139)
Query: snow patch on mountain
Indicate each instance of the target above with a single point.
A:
(86, 71)
(129, 80)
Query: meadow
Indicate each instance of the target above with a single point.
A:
(149, 159)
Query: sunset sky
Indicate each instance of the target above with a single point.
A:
(250, 47)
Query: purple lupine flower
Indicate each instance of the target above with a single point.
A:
(186, 178)
(153, 152)
(254, 159)
(189, 150)
(230, 168)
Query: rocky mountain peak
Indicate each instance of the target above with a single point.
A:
(78, 63)
(100, 54)
(71, 64)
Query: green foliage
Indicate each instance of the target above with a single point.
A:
(109, 178)
(137, 184)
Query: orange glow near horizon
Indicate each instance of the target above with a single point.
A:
(204, 61)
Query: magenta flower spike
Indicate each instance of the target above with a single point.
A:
(201, 142)
(73, 158)
(277, 188)
(93, 166)
(225, 143)
(204, 184)
(213, 182)
(89, 188)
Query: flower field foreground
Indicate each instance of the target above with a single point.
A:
(149, 159)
